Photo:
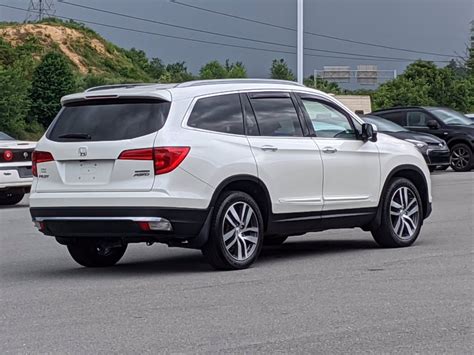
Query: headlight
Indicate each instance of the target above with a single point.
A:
(420, 145)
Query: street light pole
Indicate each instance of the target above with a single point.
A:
(299, 50)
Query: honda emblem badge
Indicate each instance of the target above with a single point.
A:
(83, 151)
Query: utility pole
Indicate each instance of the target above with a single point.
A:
(300, 34)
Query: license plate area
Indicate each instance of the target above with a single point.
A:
(88, 171)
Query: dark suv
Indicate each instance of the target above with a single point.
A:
(453, 127)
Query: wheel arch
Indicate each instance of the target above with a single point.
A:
(251, 185)
(459, 140)
(416, 176)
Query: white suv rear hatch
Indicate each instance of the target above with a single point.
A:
(86, 141)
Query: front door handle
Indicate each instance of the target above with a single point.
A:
(329, 150)
(270, 148)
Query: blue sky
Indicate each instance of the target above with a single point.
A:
(440, 26)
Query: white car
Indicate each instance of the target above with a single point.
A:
(15, 169)
(224, 166)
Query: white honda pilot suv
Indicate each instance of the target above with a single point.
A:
(224, 166)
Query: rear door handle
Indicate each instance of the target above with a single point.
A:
(270, 148)
(329, 150)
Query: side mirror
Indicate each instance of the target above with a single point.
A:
(432, 124)
(369, 132)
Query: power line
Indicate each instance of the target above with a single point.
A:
(308, 32)
(196, 40)
(235, 37)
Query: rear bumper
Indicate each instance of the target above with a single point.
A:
(15, 177)
(119, 222)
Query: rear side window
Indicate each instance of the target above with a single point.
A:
(109, 120)
(277, 117)
(396, 117)
(417, 119)
(221, 113)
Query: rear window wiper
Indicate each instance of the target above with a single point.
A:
(84, 136)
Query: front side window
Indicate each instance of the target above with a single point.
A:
(221, 113)
(327, 121)
(451, 117)
(417, 119)
(276, 116)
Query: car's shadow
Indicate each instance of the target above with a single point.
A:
(194, 262)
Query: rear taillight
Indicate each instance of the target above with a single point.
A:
(8, 155)
(39, 157)
(165, 159)
(168, 158)
(137, 154)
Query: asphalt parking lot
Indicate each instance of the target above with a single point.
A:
(330, 292)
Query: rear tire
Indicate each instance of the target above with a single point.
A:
(274, 241)
(402, 215)
(93, 254)
(236, 234)
(11, 199)
(461, 157)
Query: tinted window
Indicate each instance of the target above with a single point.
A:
(109, 120)
(218, 113)
(250, 120)
(277, 117)
(327, 121)
(5, 137)
(417, 119)
(396, 117)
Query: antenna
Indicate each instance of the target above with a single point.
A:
(39, 9)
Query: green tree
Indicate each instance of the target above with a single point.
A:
(423, 83)
(52, 79)
(176, 73)
(281, 71)
(156, 68)
(139, 58)
(323, 85)
(15, 102)
(213, 70)
(235, 70)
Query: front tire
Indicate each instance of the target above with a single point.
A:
(461, 157)
(236, 234)
(11, 199)
(94, 254)
(402, 215)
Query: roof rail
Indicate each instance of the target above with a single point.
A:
(235, 81)
(124, 86)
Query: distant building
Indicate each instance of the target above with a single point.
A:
(359, 104)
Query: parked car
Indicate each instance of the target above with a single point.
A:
(15, 169)
(434, 150)
(451, 126)
(470, 116)
(223, 166)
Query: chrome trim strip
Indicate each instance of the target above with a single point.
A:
(132, 219)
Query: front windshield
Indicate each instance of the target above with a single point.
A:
(5, 137)
(384, 125)
(451, 117)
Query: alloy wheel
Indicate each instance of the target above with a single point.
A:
(460, 158)
(240, 231)
(404, 213)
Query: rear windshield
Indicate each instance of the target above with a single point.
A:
(108, 120)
